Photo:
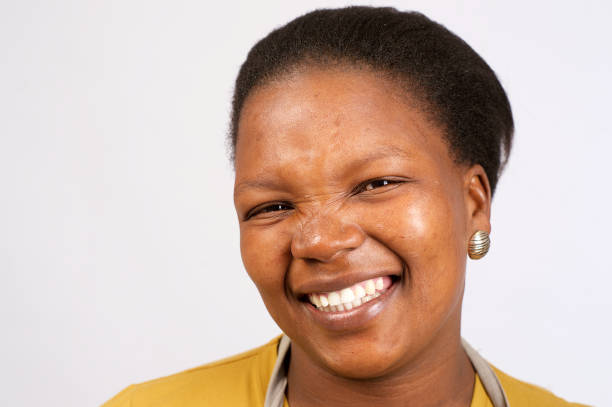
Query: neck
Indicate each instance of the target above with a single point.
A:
(440, 376)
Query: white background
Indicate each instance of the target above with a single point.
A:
(119, 258)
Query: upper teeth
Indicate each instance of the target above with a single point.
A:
(348, 298)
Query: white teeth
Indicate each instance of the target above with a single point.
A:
(370, 288)
(334, 298)
(347, 295)
(324, 301)
(314, 298)
(379, 283)
(350, 297)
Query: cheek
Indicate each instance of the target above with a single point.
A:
(440, 269)
(425, 230)
(433, 230)
(265, 255)
(421, 226)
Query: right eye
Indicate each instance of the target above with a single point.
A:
(268, 209)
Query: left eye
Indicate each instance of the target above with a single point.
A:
(378, 183)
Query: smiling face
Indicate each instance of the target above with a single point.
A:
(354, 220)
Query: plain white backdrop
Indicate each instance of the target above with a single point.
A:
(119, 256)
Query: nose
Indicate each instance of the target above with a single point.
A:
(322, 238)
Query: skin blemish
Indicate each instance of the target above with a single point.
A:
(338, 121)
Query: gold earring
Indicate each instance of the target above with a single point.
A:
(479, 245)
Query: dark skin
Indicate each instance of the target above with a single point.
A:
(340, 178)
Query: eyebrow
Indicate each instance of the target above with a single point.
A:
(380, 153)
(261, 182)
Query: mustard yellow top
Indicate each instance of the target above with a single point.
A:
(242, 380)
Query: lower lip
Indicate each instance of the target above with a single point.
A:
(355, 318)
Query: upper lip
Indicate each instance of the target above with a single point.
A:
(337, 282)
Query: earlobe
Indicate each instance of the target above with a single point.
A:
(478, 200)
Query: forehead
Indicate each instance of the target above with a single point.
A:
(329, 118)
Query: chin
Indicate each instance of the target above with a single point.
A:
(362, 359)
(362, 368)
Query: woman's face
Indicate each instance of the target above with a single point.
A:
(354, 220)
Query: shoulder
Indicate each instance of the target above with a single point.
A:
(524, 394)
(238, 380)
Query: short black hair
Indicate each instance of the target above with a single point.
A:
(455, 85)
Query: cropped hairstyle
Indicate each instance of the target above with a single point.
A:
(453, 84)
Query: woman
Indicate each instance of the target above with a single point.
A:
(367, 146)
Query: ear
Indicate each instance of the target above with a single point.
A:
(477, 200)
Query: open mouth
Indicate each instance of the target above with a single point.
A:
(351, 297)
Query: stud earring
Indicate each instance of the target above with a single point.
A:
(479, 245)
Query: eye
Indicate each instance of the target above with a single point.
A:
(268, 209)
(377, 184)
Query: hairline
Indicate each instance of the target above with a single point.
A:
(407, 91)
